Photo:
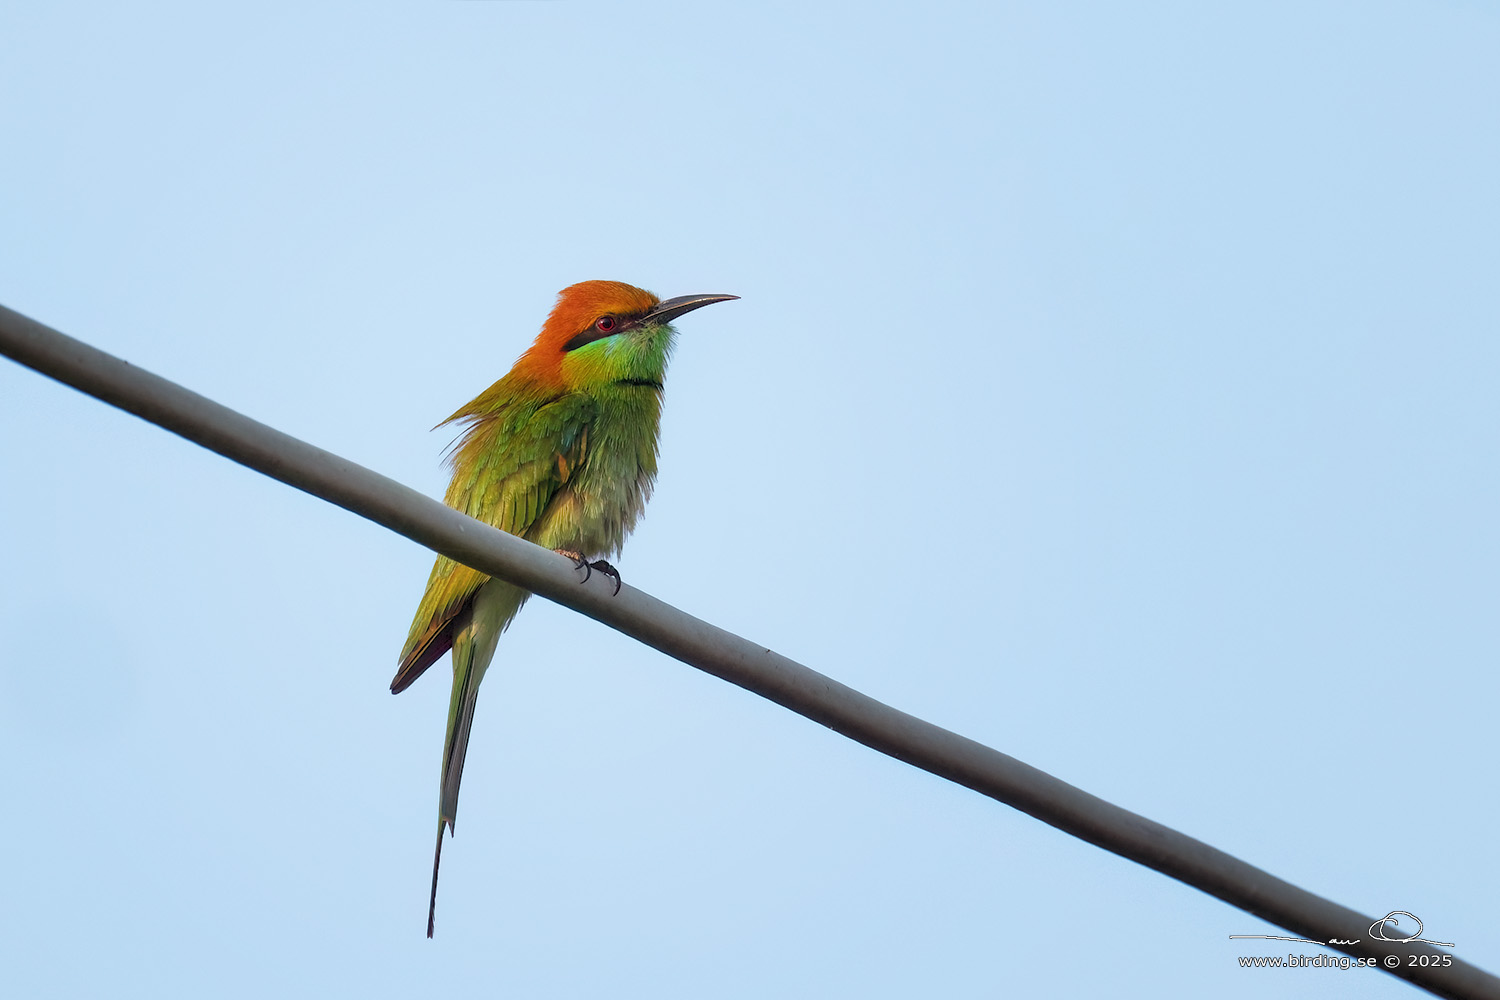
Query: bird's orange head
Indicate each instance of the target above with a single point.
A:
(601, 332)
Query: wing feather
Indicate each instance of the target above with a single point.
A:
(507, 467)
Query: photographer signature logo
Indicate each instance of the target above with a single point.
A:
(1379, 931)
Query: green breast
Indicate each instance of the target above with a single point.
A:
(604, 497)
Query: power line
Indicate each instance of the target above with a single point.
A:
(753, 667)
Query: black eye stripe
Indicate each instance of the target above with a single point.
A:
(598, 330)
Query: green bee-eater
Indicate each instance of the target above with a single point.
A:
(562, 452)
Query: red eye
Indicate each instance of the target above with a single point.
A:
(605, 324)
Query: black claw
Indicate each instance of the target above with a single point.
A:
(588, 567)
(608, 571)
(579, 562)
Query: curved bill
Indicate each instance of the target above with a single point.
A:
(669, 309)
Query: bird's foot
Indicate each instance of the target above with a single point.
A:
(588, 566)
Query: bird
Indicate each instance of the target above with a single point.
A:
(562, 452)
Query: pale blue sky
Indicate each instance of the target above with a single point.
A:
(1114, 384)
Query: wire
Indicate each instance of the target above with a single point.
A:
(751, 666)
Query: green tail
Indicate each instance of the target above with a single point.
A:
(460, 720)
(494, 606)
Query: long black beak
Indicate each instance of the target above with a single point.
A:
(669, 309)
